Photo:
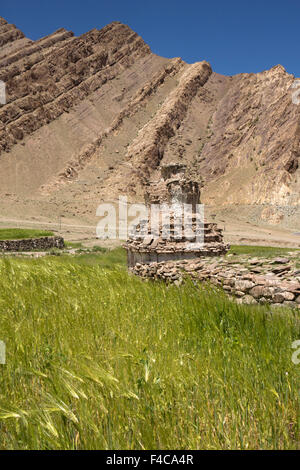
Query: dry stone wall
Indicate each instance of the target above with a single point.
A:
(255, 281)
(32, 244)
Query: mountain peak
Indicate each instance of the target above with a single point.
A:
(102, 109)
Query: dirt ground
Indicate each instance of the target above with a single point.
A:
(247, 234)
(235, 232)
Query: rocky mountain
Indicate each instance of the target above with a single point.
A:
(89, 118)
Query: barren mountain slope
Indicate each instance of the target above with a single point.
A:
(92, 117)
(11, 38)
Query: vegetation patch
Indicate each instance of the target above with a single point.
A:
(99, 359)
(104, 258)
(265, 251)
(22, 233)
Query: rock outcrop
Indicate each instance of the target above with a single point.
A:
(104, 109)
(46, 79)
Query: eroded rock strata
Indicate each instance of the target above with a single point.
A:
(104, 109)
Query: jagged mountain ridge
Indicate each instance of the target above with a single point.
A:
(91, 117)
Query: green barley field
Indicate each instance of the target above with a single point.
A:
(98, 359)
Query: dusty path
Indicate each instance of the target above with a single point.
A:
(247, 234)
(235, 233)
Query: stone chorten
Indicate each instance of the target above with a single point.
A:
(174, 188)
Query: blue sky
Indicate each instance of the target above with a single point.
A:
(234, 35)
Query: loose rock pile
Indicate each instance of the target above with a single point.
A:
(250, 280)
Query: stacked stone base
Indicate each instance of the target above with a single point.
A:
(236, 281)
(32, 244)
(148, 249)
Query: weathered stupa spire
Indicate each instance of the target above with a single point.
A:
(181, 231)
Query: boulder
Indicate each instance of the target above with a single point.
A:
(257, 291)
(248, 299)
(243, 285)
(288, 295)
(281, 260)
(278, 298)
